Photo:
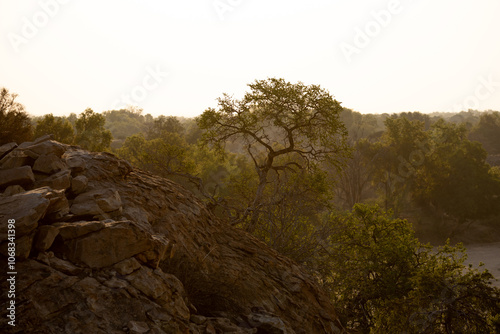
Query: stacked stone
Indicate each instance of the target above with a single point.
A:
(104, 248)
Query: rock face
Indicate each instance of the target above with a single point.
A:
(105, 248)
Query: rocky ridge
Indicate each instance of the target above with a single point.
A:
(102, 247)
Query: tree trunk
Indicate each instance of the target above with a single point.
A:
(252, 225)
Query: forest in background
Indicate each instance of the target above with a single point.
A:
(352, 197)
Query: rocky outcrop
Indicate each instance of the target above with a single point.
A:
(105, 248)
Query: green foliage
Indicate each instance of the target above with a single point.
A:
(60, 127)
(72, 119)
(373, 258)
(133, 151)
(290, 221)
(124, 123)
(193, 132)
(193, 166)
(438, 169)
(352, 185)
(361, 126)
(495, 172)
(282, 127)
(15, 123)
(165, 156)
(278, 117)
(487, 132)
(90, 131)
(455, 177)
(393, 158)
(446, 297)
(384, 280)
(416, 116)
(403, 137)
(215, 175)
(162, 125)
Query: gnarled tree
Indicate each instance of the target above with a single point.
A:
(282, 127)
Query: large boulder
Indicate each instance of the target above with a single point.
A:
(43, 147)
(108, 244)
(48, 164)
(22, 176)
(16, 159)
(26, 209)
(6, 148)
(97, 201)
(60, 180)
(79, 184)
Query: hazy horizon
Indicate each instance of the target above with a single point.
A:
(176, 58)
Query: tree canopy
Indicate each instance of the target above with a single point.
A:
(15, 124)
(487, 132)
(383, 280)
(276, 119)
(59, 127)
(90, 131)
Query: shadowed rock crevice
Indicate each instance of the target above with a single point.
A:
(105, 248)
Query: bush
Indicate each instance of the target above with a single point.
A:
(15, 123)
(385, 281)
(60, 127)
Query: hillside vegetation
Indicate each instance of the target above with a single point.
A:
(352, 198)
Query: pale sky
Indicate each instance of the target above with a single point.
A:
(178, 57)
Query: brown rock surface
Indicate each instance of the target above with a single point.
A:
(6, 148)
(95, 202)
(48, 164)
(136, 253)
(43, 147)
(61, 180)
(79, 184)
(22, 176)
(26, 208)
(45, 237)
(13, 190)
(15, 159)
(114, 242)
